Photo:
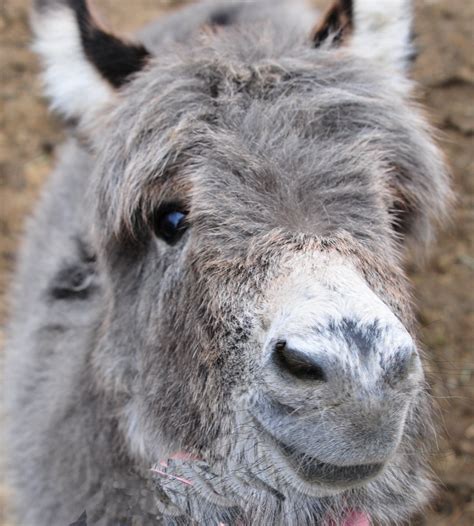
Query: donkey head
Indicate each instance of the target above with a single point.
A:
(255, 191)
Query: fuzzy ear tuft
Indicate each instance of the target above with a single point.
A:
(377, 30)
(83, 64)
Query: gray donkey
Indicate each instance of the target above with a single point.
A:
(211, 322)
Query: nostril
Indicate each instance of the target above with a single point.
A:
(296, 363)
(405, 363)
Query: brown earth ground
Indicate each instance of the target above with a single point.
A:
(443, 289)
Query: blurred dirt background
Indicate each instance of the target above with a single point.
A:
(444, 289)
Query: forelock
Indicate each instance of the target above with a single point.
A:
(253, 103)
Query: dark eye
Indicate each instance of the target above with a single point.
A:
(169, 224)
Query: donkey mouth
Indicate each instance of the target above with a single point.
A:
(311, 470)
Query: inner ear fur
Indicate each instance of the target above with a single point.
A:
(83, 63)
(335, 25)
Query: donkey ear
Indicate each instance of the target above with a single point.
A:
(335, 25)
(378, 30)
(84, 64)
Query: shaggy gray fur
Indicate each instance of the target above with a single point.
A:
(123, 350)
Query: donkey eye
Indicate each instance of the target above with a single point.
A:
(169, 224)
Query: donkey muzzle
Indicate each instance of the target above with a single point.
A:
(339, 374)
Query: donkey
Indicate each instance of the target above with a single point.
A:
(211, 320)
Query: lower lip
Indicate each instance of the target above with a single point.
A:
(313, 471)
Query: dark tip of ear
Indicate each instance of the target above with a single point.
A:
(335, 24)
(223, 17)
(115, 59)
(39, 5)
